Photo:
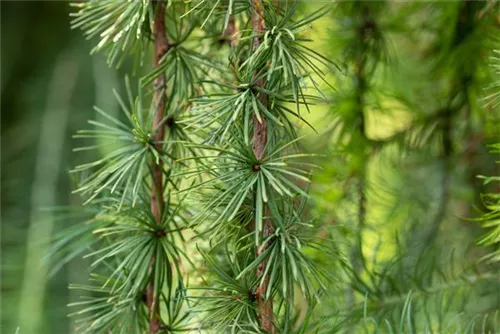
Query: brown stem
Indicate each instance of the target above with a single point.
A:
(265, 306)
(259, 139)
(259, 142)
(157, 202)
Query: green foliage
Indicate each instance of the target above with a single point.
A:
(258, 197)
(121, 26)
(494, 97)
(107, 310)
(291, 61)
(237, 173)
(354, 246)
(125, 167)
(491, 219)
(138, 252)
(229, 303)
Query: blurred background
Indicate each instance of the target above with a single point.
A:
(50, 84)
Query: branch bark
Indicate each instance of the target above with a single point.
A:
(259, 142)
(157, 188)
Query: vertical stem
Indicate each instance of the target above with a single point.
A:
(364, 30)
(157, 202)
(265, 307)
(259, 142)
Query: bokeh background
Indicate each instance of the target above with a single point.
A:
(50, 84)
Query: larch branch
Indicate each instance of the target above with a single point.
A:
(259, 143)
(157, 187)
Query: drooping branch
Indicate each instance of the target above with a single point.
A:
(259, 143)
(157, 188)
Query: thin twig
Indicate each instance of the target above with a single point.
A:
(259, 142)
(157, 202)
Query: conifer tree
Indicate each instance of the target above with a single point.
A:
(252, 186)
(141, 217)
(203, 214)
(257, 184)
